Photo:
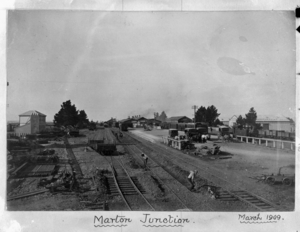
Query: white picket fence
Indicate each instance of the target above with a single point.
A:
(283, 144)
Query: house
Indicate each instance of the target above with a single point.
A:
(179, 119)
(31, 122)
(278, 123)
(230, 121)
(267, 122)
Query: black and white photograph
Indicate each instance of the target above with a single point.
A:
(151, 111)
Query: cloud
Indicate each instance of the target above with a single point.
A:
(233, 66)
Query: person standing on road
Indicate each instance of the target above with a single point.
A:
(145, 160)
(191, 178)
(200, 138)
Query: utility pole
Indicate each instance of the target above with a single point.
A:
(195, 108)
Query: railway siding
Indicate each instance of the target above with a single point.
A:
(217, 180)
(130, 193)
(190, 200)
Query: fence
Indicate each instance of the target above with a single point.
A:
(14, 134)
(282, 144)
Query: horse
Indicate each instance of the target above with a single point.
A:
(204, 138)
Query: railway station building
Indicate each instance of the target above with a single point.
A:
(141, 122)
(126, 120)
(153, 122)
(138, 121)
(179, 119)
(111, 122)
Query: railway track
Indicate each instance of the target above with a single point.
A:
(151, 166)
(128, 188)
(15, 197)
(109, 137)
(229, 192)
(73, 161)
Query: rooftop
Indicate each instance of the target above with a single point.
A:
(261, 118)
(32, 112)
(272, 118)
(175, 118)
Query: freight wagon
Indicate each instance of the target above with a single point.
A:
(200, 126)
(218, 130)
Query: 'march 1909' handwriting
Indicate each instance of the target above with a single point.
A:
(246, 217)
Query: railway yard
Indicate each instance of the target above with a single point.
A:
(101, 170)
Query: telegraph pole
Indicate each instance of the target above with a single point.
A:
(195, 108)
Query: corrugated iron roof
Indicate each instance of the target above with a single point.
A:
(262, 118)
(126, 119)
(153, 119)
(141, 118)
(176, 118)
(227, 118)
(272, 118)
(32, 112)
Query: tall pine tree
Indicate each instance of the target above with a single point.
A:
(162, 117)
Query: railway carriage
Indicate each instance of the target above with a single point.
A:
(125, 126)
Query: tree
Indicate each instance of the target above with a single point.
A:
(251, 117)
(217, 122)
(67, 115)
(240, 121)
(93, 125)
(209, 115)
(82, 119)
(201, 114)
(162, 117)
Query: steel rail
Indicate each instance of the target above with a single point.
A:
(136, 188)
(132, 152)
(118, 187)
(131, 181)
(70, 153)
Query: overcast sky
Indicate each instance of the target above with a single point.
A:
(116, 64)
